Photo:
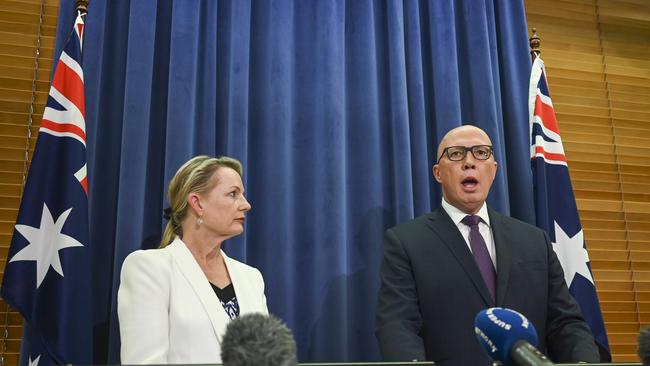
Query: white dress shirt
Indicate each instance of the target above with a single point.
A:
(483, 227)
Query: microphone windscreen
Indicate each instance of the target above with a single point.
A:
(644, 346)
(497, 330)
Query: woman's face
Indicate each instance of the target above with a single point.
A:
(224, 207)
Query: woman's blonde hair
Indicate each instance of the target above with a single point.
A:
(193, 177)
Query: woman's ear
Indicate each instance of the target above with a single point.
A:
(194, 201)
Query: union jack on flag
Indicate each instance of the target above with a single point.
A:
(47, 276)
(555, 204)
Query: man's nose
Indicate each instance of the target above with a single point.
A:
(469, 162)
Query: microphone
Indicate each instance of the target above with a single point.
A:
(508, 337)
(644, 346)
(257, 339)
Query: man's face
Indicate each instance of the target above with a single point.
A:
(465, 183)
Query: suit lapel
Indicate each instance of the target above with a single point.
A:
(238, 283)
(449, 234)
(504, 255)
(201, 286)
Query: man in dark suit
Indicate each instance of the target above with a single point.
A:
(440, 269)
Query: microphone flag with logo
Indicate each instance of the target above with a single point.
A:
(498, 329)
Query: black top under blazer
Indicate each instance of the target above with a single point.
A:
(431, 290)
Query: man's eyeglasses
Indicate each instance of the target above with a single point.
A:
(458, 153)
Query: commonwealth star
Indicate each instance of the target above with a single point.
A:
(45, 243)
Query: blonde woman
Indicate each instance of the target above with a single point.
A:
(174, 302)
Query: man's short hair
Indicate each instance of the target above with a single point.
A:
(258, 340)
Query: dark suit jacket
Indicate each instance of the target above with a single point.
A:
(431, 290)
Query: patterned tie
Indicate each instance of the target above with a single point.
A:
(481, 254)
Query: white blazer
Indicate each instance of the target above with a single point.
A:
(168, 311)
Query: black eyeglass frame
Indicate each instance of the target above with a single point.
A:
(445, 152)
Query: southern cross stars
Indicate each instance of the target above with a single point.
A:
(572, 255)
(45, 243)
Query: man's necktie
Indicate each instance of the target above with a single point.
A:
(481, 254)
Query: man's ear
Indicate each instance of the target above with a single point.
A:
(436, 173)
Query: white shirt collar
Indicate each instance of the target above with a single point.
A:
(457, 215)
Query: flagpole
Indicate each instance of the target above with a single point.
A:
(82, 5)
(535, 43)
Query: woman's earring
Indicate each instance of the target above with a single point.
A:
(199, 220)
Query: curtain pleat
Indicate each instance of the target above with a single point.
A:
(335, 109)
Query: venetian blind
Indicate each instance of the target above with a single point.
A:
(597, 58)
(26, 26)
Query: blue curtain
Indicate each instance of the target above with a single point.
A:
(335, 109)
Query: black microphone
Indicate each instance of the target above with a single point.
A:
(508, 337)
(644, 346)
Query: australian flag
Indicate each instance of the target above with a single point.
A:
(555, 204)
(47, 275)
